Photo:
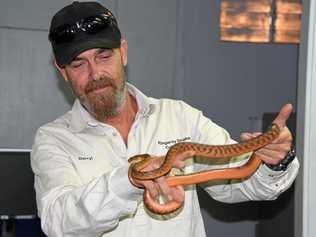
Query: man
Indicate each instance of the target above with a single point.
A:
(80, 159)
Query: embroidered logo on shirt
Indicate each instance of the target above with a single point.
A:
(85, 158)
(168, 144)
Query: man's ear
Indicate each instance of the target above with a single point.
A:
(124, 51)
(61, 70)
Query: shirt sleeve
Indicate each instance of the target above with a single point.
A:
(68, 207)
(264, 184)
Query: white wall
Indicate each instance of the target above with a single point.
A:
(305, 198)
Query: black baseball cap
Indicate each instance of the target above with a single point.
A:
(81, 26)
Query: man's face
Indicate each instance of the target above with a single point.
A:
(97, 78)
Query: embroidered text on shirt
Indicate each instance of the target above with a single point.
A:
(85, 158)
(168, 144)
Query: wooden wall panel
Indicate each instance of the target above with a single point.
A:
(260, 21)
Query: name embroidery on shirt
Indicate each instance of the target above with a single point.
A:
(85, 158)
(168, 144)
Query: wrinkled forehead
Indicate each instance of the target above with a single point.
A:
(93, 52)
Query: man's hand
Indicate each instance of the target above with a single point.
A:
(275, 152)
(159, 186)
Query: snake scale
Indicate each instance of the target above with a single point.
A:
(139, 162)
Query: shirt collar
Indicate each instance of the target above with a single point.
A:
(81, 118)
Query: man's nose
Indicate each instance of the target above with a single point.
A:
(94, 71)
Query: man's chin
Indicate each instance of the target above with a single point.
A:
(100, 109)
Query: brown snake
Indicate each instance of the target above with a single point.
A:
(139, 162)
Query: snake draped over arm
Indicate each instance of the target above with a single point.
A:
(139, 162)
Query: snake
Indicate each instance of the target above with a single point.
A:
(140, 162)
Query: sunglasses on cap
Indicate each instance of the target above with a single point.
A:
(90, 25)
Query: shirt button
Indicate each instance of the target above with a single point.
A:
(114, 134)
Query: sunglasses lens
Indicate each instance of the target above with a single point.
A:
(63, 34)
(95, 25)
(90, 25)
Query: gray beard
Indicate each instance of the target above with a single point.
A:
(106, 106)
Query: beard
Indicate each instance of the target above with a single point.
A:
(103, 97)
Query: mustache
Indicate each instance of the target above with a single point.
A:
(102, 82)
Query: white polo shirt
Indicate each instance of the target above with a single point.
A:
(81, 182)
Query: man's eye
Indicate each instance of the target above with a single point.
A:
(76, 64)
(104, 55)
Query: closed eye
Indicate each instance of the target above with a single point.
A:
(104, 53)
(76, 64)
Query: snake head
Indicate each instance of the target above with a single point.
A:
(138, 158)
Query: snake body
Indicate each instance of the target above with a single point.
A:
(139, 162)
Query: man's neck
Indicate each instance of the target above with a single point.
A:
(124, 119)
